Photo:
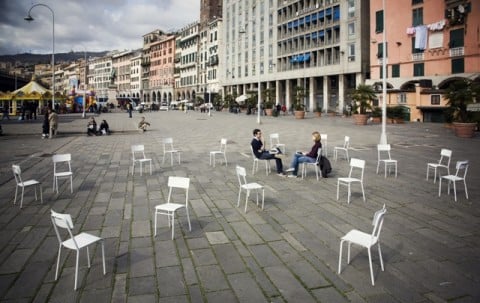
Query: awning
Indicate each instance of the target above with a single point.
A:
(241, 98)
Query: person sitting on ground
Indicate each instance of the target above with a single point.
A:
(302, 157)
(143, 124)
(104, 128)
(261, 153)
(92, 127)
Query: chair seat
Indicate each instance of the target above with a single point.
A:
(452, 178)
(216, 152)
(250, 186)
(82, 239)
(28, 183)
(63, 174)
(143, 160)
(388, 161)
(170, 207)
(172, 151)
(436, 165)
(360, 238)
(348, 180)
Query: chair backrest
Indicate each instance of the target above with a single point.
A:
(461, 165)
(378, 223)
(324, 138)
(62, 221)
(274, 139)
(60, 158)
(359, 164)
(346, 142)
(253, 154)
(319, 155)
(445, 156)
(384, 149)
(178, 182)
(138, 149)
(17, 173)
(241, 175)
(223, 145)
(167, 144)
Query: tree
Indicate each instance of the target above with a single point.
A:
(300, 94)
(459, 94)
(362, 97)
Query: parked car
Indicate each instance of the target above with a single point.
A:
(164, 106)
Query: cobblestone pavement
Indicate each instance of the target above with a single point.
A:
(286, 253)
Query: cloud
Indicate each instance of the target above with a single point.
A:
(95, 25)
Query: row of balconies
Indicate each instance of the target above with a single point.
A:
(285, 50)
(284, 33)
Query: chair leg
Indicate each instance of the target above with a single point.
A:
(465, 184)
(338, 187)
(103, 258)
(380, 256)
(188, 218)
(439, 187)
(76, 269)
(239, 193)
(225, 156)
(370, 262)
(363, 191)
(21, 200)
(386, 170)
(455, 190)
(16, 190)
(173, 225)
(378, 165)
(263, 197)
(58, 261)
(348, 196)
(155, 224)
(340, 258)
(141, 168)
(88, 257)
(71, 184)
(348, 252)
(246, 200)
(41, 193)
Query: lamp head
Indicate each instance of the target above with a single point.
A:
(29, 18)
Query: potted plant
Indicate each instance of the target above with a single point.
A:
(269, 96)
(458, 95)
(362, 97)
(376, 115)
(318, 111)
(298, 106)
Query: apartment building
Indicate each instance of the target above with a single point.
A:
(101, 76)
(121, 66)
(429, 44)
(136, 74)
(162, 64)
(321, 46)
(148, 40)
(188, 85)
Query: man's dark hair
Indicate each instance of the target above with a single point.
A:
(256, 131)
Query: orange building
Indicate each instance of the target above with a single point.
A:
(429, 43)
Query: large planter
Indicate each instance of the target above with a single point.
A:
(376, 120)
(318, 114)
(299, 114)
(269, 111)
(464, 130)
(360, 119)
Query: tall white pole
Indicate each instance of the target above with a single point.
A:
(383, 136)
(85, 84)
(259, 96)
(30, 18)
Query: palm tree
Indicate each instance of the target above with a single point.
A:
(364, 95)
(458, 95)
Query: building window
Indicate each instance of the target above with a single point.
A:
(402, 98)
(458, 66)
(415, 50)
(414, 2)
(351, 52)
(351, 29)
(380, 50)
(351, 8)
(379, 21)
(418, 70)
(435, 99)
(456, 38)
(381, 71)
(395, 70)
(417, 16)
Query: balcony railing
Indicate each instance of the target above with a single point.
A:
(418, 57)
(457, 51)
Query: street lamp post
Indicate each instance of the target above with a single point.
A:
(29, 18)
(383, 135)
(244, 31)
(84, 83)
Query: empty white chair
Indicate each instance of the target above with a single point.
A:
(169, 149)
(62, 161)
(444, 162)
(255, 163)
(221, 151)
(383, 151)
(275, 143)
(77, 242)
(315, 165)
(356, 164)
(138, 155)
(344, 148)
(17, 173)
(168, 209)
(459, 176)
(324, 140)
(248, 187)
(365, 240)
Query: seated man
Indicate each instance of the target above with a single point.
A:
(104, 128)
(92, 127)
(261, 153)
(142, 125)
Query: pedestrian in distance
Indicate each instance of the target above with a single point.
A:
(6, 111)
(92, 127)
(53, 123)
(45, 126)
(142, 125)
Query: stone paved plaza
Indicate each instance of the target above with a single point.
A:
(286, 253)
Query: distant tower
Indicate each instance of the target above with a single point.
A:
(210, 10)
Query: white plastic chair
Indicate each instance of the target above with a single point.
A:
(384, 149)
(444, 162)
(460, 166)
(248, 187)
(356, 164)
(324, 140)
(77, 242)
(17, 172)
(365, 240)
(140, 151)
(275, 143)
(169, 149)
(63, 160)
(168, 209)
(222, 151)
(344, 148)
(315, 165)
(255, 163)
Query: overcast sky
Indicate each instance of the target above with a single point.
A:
(94, 25)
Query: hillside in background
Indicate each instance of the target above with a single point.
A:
(28, 58)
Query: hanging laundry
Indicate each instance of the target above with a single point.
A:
(410, 30)
(421, 37)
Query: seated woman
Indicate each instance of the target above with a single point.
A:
(142, 125)
(301, 157)
(104, 128)
(92, 127)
